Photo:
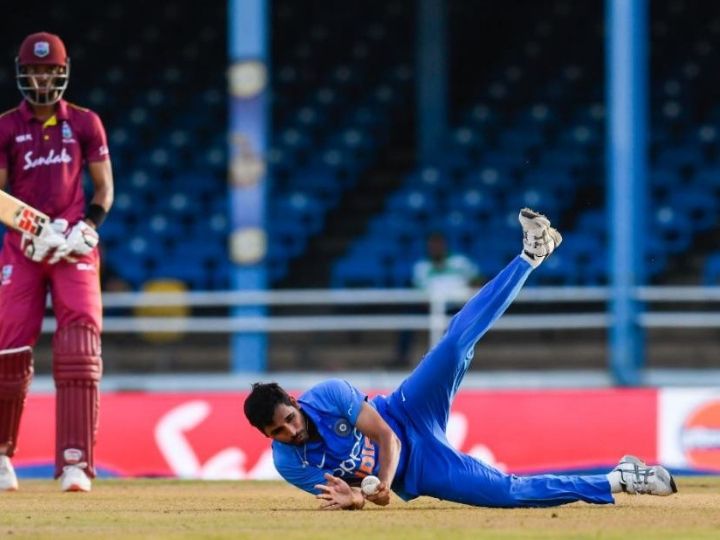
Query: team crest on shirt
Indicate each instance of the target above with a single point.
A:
(67, 133)
(41, 49)
(6, 274)
(342, 427)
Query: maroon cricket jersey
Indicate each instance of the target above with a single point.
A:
(45, 160)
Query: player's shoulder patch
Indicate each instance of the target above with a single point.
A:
(9, 111)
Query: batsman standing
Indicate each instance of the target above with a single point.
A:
(326, 441)
(44, 144)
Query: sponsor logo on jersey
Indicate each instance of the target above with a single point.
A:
(52, 158)
(41, 49)
(342, 427)
(103, 150)
(6, 274)
(23, 138)
(85, 267)
(361, 460)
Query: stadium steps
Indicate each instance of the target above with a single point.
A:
(348, 220)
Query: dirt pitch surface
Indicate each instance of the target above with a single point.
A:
(259, 510)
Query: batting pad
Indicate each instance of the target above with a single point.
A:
(77, 368)
(16, 371)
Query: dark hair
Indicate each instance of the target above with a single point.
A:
(260, 404)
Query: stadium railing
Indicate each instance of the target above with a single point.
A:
(439, 309)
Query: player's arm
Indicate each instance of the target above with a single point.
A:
(3, 178)
(372, 425)
(103, 190)
(83, 238)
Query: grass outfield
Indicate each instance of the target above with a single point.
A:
(192, 509)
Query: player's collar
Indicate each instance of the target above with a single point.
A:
(61, 111)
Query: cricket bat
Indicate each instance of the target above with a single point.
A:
(21, 217)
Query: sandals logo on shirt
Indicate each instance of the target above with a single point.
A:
(342, 427)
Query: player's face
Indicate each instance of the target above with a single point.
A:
(42, 78)
(289, 425)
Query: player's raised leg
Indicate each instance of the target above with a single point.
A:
(428, 392)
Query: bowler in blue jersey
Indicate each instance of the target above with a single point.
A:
(331, 437)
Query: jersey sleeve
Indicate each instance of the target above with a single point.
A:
(293, 471)
(94, 145)
(338, 397)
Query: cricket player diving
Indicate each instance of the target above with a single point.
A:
(331, 437)
(45, 143)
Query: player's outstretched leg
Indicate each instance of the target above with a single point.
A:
(457, 477)
(632, 475)
(462, 478)
(428, 392)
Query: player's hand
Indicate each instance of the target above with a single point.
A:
(336, 494)
(82, 238)
(381, 497)
(50, 243)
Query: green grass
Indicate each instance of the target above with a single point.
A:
(191, 509)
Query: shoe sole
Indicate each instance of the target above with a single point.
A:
(673, 485)
(75, 489)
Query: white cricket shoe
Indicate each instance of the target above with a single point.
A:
(8, 479)
(539, 238)
(74, 478)
(633, 476)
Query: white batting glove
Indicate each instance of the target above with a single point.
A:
(51, 242)
(82, 238)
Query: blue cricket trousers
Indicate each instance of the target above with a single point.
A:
(422, 405)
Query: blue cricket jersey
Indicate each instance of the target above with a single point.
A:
(334, 406)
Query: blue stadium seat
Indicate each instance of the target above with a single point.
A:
(711, 269)
(414, 203)
(359, 272)
(474, 202)
(674, 228)
(538, 199)
(396, 226)
(662, 182)
(680, 157)
(697, 206)
(521, 139)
